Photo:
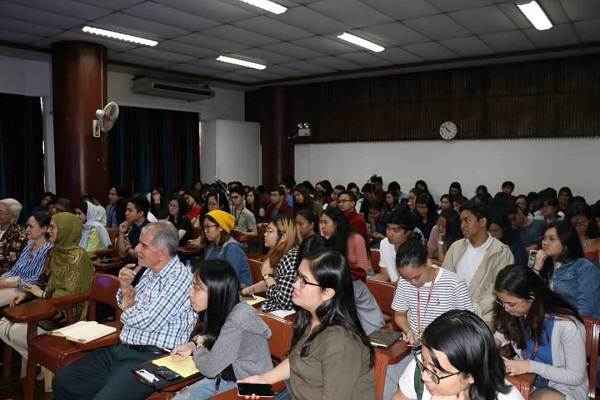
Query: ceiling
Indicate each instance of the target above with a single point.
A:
(300, 45)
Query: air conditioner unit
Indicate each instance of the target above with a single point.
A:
(175, 90)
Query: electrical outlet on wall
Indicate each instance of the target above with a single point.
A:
(96, 129)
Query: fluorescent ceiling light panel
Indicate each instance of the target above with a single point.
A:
(267, 5)
(535, 15)
(119, 36)
(361, 42)
(243, 63)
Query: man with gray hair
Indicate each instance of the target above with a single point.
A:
(157, 316)
(12, 235)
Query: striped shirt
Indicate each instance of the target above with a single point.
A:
(161, 315)
(28, 268)
(449, 292)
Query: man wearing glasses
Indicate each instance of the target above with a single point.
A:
(346, 202)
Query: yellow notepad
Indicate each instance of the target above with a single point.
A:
(255, 300)
(185, 367)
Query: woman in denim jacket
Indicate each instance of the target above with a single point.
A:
(563, 267)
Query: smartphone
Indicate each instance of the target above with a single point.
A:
(259, 389)
(531, 259)
(166, 373)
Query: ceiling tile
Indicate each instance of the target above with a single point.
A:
(240, 35)
(68, 8)
(221, 45)
(310, 20)
(588, 31)
(467, 47)
(271, 27)
(293, 51)
(364, 59)
(456, 5)
(10, 24)
(307, 67)
(115, 5)
(265, 56)
(505, 42)
(351, 13)
(581, 10)
(401, 10)
(175, 46)
(211, 9)
(194, 69)
(398, 56)
(128, 24)
(168, 16)
(429, 51)
(437, 27)
(558, 35)
(115, 45)
(285, 71)
(17, 37)
(335, 63)
(42, 18)
(325, 45)
(239, 78)
(395, 34)
(133, 59)
(483, 20)
(159, 55)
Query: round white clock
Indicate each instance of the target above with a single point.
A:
(448, 130)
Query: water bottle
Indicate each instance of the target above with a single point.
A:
(188, 264)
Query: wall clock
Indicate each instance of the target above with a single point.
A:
(448, 130)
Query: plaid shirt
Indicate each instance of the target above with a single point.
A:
(279, 295)
(162, 315)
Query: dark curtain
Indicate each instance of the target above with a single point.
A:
(149, 147)
(21, 150)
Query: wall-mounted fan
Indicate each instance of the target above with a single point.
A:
(106, 118)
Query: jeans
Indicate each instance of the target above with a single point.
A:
(203, 389)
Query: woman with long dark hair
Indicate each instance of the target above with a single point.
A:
(563, 267)
(579, 215)
(330, 355)
(303, 201)
(546, 332)
(307, 223)
(253, 204)
(177, 216)
(444, 233)
(233, 342)
(343, 237)
(458, 361)
(279, 266)
(427, 215)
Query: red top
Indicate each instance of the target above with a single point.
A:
(192, 213)
(358, 222)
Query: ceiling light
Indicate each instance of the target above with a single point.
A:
(243, 63)
(361, 42)
(119, 36)
(535, 15)
(267, 5)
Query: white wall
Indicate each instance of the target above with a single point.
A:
(227, 104)
(531, 164)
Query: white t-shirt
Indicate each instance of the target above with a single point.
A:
(449, 293)
(407, 386)
(387, 259)
(470, 260)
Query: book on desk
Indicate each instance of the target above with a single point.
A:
(84, 331)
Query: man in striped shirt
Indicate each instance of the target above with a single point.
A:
(157, 317)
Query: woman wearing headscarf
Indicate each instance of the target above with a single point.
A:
(68, 270)
(95, 236)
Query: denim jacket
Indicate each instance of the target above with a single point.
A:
(578, 281)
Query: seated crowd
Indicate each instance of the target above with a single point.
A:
(471, 277)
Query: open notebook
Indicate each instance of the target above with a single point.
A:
(84, 331)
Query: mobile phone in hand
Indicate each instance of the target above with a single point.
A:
(531, 259)
(259, 389)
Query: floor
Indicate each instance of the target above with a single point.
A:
(12, 388)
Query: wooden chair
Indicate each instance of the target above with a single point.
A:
(52, 352)
(592, 340)
(385, 357)
(375, 257)
(258, 254)
(255, 266)
(384, 295)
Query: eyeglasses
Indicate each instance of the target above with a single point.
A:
(52, 227)
(435, 378)
(173, 206)
(508, 307)
(207, 227)
(303, 282)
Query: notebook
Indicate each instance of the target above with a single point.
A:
(384, 338)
